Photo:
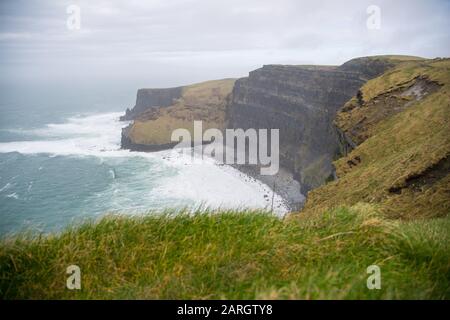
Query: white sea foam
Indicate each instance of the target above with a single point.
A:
(203, 182)
(13, 195)
(94, 135)
(5, 187)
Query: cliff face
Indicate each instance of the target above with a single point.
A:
(301, 101)
(152, 98)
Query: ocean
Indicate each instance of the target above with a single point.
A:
(60, 165)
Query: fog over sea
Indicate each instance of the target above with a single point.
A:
(61, 162)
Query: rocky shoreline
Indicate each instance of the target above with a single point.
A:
(283, 183)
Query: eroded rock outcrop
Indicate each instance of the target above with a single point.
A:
(357, 121)
(152, 98)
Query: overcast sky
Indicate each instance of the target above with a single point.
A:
(159, 43)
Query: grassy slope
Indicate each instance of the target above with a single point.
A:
(234, 255)
(204, 101)
(397, 57)
(399, 149)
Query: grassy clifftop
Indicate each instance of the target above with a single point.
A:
(204, 101)
(234, 255)
(400, 124)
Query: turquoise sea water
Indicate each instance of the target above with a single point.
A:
(59, 165)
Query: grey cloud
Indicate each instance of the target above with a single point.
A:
(191, 40)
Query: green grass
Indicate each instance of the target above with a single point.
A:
(232, 255)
